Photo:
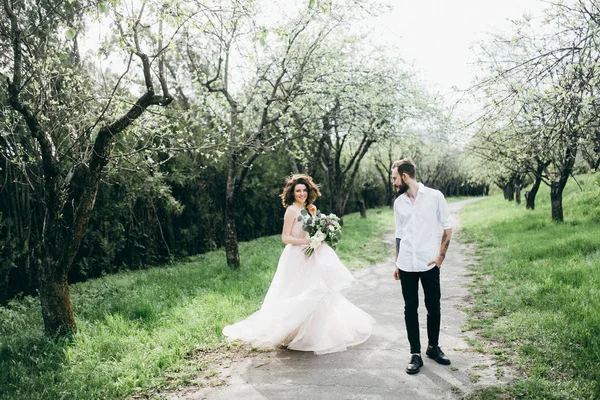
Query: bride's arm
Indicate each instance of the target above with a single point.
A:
(286, 234)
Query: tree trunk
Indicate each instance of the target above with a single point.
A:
(556, 190)
(530, 196)
(339, 204)
(231, 242)
(517, 189)
(509, 191)
(557, 186)
(56, 302)
(232, 253)
(363, 209)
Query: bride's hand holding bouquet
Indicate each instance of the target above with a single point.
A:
(321, 228)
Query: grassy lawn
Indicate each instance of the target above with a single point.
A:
(139, 331)
(537, 291)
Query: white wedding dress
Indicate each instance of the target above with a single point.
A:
(305, 308)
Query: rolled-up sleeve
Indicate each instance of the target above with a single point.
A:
(398, 220)
(444, 218)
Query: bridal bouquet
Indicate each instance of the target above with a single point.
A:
(321, 228)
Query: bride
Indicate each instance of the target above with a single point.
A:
(305, 308)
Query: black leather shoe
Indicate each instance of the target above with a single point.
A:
(416, 362)
(438, 355)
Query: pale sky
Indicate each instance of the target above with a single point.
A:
(436, 35)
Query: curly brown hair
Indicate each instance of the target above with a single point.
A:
(287, 196)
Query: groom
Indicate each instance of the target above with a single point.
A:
(421, 214)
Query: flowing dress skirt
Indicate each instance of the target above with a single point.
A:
(305, 308)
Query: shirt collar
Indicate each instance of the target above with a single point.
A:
(419, 192)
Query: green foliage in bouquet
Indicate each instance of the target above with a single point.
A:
(321, 228)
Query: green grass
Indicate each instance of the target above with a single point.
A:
(537, 291)
(138, 331)
(362, 242)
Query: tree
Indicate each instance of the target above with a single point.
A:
(357, 104)
(542, 87)
(50, 91)
(255, 76)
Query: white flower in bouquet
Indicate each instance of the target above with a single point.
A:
(321, 228)
(317, 239)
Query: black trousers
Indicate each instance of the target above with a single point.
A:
(430, 280)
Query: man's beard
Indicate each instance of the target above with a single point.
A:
(402, 188)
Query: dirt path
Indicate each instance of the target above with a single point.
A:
(375, 369)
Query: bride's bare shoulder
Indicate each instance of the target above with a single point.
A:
(291, 211)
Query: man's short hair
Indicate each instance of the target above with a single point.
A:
(406, 165)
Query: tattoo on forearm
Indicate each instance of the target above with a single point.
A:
(445, 244)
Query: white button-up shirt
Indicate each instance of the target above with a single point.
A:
(419, 225)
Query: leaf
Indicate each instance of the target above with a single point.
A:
(103, 8)
(70, 33)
